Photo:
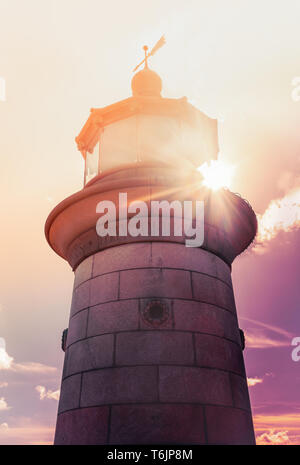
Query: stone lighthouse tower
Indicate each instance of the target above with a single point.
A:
(153, 352)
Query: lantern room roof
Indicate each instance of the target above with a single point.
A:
(146, 99)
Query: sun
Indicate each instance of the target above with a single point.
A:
(217, 174)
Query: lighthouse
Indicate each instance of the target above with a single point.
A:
(153, 350)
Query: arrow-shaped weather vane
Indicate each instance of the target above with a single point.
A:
(156, 47)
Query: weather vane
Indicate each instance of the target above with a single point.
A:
(156, 47)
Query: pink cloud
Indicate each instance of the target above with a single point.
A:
(7, 363)
(272, 438)
(264, 335)
(254, 381)
(262, 341)
(33, 367)
(3, 404)
(277, 429)
(282, 214)
(47, 394)
(25, 432)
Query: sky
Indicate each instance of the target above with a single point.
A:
(237, 61)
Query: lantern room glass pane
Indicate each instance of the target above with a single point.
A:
(92, 164)
(159, 138)
(119, 144)
(148, 137)
(139, 138)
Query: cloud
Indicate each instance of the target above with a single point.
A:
(24, 431)
(272, 438)
(3, 404)
(281, 215)
(254, 381)
(5, 359)
(3, 385)
(7, 363)
(262, 341)
(268, 326)
(263, 335)
(47, 394)
(277, 429)
(33, 367)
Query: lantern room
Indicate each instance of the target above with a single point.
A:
(146, 127)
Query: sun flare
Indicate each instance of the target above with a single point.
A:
(217, 174)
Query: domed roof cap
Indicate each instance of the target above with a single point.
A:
(146, 83)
